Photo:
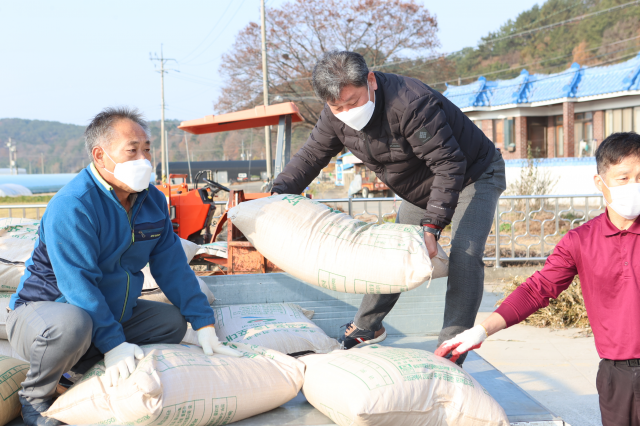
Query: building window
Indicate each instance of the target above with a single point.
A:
(509, 136)
(503, 135)
(584, 145)
(622, 120)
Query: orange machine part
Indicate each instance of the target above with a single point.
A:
(259, 116)
(191, 213)
(242, 257)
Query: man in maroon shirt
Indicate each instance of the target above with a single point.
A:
(601, 252)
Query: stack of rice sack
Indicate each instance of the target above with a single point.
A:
(180, 385)
(380, 385)
(284, 327)
(17, 239)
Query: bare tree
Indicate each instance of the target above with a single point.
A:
(386, 32)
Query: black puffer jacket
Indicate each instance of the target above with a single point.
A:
(417, 142)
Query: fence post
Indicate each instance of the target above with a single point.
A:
(498, 234)
(350, 209)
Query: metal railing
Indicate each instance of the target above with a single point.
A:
(29, 211)
(528, 227)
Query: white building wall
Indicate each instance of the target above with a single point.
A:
(572, 175)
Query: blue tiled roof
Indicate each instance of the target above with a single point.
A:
(574, 82)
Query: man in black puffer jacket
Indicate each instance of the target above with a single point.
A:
(429, 153)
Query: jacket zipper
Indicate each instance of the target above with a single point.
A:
(133, 240)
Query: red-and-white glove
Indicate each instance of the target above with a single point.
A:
(463, 342)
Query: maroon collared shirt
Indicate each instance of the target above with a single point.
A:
(607, 260)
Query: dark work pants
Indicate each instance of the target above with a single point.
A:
(470, 228)
(56, 338)
(619, 391)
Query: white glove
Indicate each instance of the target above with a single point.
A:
(210, 344)
(121, 362)
(463, 342)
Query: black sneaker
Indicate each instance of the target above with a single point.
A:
(354, 337)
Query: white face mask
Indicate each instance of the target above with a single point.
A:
(625, 199)
(358, 117)
(135, 174)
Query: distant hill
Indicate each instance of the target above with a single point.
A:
(61, 146)
(549, 38)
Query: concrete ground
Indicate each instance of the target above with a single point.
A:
(558, 368)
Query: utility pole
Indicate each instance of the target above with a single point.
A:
(265, 88)
(166, 141)
(165, 155)
(153, 157)
(242, 154)
(42, 162)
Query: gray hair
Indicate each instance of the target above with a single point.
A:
(336, 70)
(100, 131)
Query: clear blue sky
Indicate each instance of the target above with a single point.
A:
(64, 60)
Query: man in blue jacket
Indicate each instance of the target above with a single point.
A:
(78, 299)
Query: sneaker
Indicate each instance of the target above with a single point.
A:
(31, 413)
(354, 337)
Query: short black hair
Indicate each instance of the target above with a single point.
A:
(336, 70)
(100, 130)
(616, 148)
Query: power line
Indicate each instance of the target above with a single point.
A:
(566, 21)
(511, 68)
(215, 38)
(588, 15)
(208, 34)
(515, 67)
(563, 74)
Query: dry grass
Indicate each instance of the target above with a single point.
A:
(566, 311)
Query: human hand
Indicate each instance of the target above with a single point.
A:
(463, 342)
(121, 362)
(432, 244)
(210, 343)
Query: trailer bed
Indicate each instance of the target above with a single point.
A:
(413, 323)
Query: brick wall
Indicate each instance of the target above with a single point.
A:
(487, 129)
(598, 126)
(551, 137)
(568, 116)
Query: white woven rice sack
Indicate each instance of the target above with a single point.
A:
(12, 374)
(157, 295)
(330, 249)
(4, 303)
(17, 240)
(190, 249)
(180, 385)
(385, 386)
(284, 327)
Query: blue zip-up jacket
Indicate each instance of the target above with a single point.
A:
(90, 253)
